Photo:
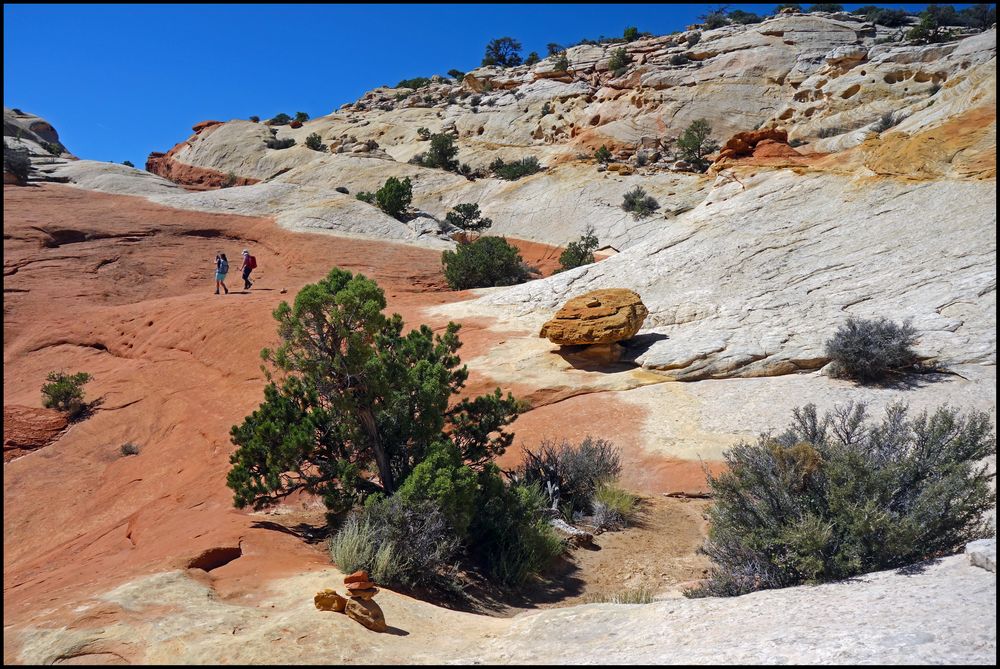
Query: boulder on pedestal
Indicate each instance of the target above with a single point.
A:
(598, 317)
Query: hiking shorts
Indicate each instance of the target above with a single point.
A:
(220, 276)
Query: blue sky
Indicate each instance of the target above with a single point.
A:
(119, 81)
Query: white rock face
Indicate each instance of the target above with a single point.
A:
(983, 553)
(753, 281)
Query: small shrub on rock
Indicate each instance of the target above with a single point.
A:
(468, 217)
(515, 170)
(613, 507)
(561, 63)
(457, 75)
(301, 117)
(580, 252)
(315, 142)
(638, 203)
(833, 498)
(64, 392)
(394, 197)
(694, 144)
(278, 144)
(619, 61)
(255, 119)
(569, 474)
(17, 161)
(414, 83)
(128, 163)
(423, 134)
(886, 121)
(128, 448)
(488, 261)
(532, 58)
(869, 350)
(54, 148)
(603, 155)
(280, 119)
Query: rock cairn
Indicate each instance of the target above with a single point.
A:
(360, 606)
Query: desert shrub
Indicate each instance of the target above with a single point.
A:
(834, 498)
(17, 161)
(715, 19)
(468, 217)
(275, 143)
(886, 121)
(229, 181)
(613, 507)
(255, 119)
(679, 59)
(457, 75)
(580, 252)
(693, 38)
(602, 155)
(788, 5)
(423, 134)
(740, 17)
(365, 196)
(546, 109)
(445, 480)
(475, 99)
(532, 58)
(395, 196)
(315, 142)
(354, 395)
(488, 261)
(129, 448)
(441, 153)
(353, 546)
(638, 203)
(502, 52)
(695, 143)
(301, 117)
(630, 34)
(553, 48)
(509, 536)
(980, 16)
(402, 95)
(868, 350)
(64, 392)
(796, 142)
(641, 159)
(561, 63)
(928, 31)
(826, 7)
(619, 61)
(54, 148)
(416, 82)
(128, 163)
(416, 542)
(513, 171)
(280, 119)
(831, 131)
(890, 18)
(640, 595)
(569, 474)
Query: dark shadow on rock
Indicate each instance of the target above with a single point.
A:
(311, 534)
(914, 378)
(579, 358)
(639, 344)
(395, 631)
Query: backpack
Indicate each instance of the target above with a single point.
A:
(223, 267)
(251, 262)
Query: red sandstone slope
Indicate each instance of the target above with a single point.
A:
(122, 288)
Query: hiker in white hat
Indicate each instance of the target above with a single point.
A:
(249, 264)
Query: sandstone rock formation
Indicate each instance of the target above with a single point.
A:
(597, 317)
(27, 429)
(361, 606)
(329, 600)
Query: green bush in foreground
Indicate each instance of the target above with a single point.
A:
(64, 392)
(488, 261)
(837, 497)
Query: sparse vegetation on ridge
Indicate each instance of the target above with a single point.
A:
(64, 392)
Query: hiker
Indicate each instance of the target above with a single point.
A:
(221, 269)
(249, 265)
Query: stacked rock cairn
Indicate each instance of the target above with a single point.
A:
(360, 607)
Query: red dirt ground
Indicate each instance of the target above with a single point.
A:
(122, 288)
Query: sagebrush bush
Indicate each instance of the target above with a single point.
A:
(886, 121)
(64, 392)
(353, 546)
(569, 474)
(837, 497)
(488, 261)
(869, 350)
(275, 143)
(515, 170)
(129, 448)
(639, 203)
(418, 536)
(613, 507)
(602, 155)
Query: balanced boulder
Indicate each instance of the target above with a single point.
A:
(598, 317)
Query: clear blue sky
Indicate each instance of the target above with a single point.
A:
(119, 81)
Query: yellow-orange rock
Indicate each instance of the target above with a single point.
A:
(360, 576)
(368, 613)
(329, 600)
(367, 593)
(598, 317)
